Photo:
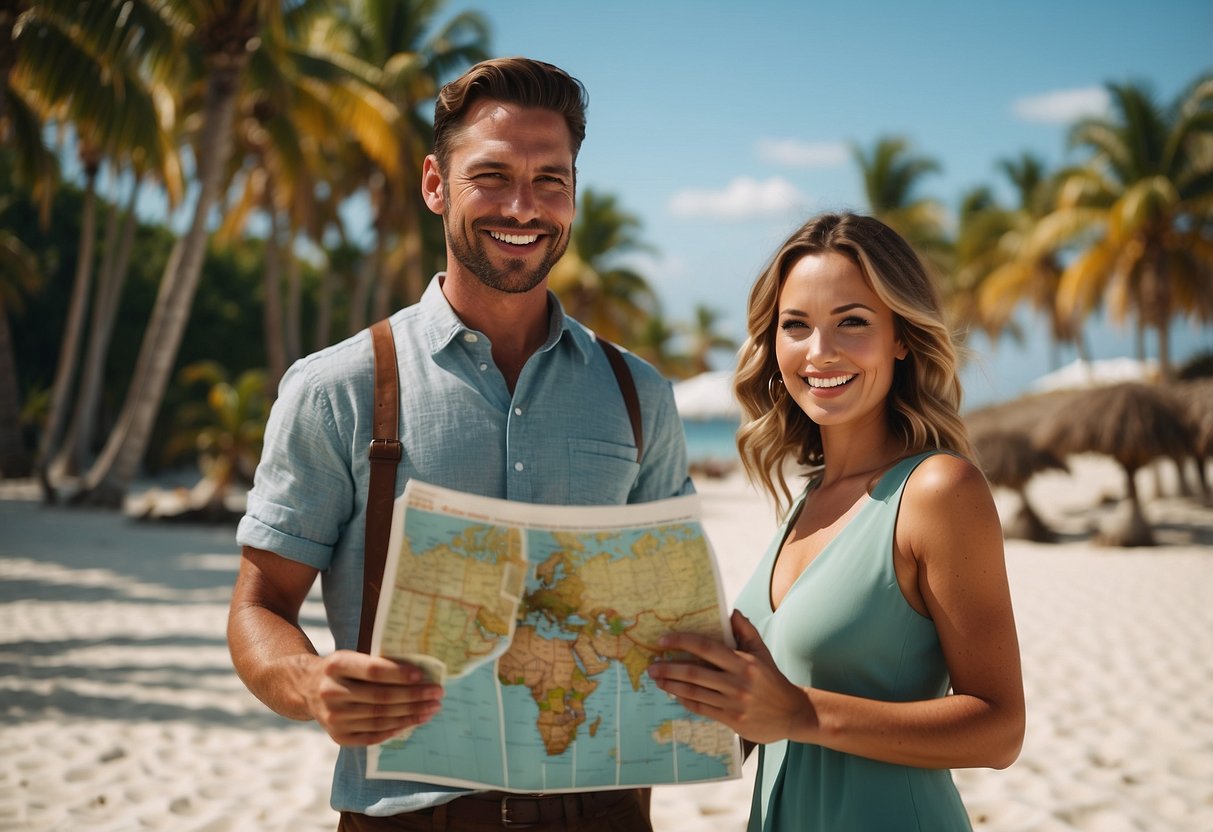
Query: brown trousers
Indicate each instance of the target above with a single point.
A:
(631, 814)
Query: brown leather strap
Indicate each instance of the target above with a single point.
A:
(384, 454)
(627, 386)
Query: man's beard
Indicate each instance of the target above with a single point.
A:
(513, 276)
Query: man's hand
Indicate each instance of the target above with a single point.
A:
(364, 700)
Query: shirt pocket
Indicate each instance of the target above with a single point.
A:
(601, 473)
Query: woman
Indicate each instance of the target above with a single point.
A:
(886, 584)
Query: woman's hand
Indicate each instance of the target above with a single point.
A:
(741, 688)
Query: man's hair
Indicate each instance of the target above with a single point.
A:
(521, 81)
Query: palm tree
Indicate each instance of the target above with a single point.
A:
(224, 431)
(705, 337)
(982, 221)
(36, 167)
(892, 173)
(609, 297)
(1023, 265)
(18, 274)
(416, 56)
(301, 98)
(1141, 209)
(652, 342)
(90, 74)
(222, 33)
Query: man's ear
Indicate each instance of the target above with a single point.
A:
(431, 185)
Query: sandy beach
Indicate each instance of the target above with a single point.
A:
(120, 710)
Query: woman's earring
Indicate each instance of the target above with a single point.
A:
(775, 379)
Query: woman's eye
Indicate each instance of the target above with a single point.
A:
(792, 324)
(854, 321)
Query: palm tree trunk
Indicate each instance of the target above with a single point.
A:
(14, 462)
(76, 449)
(73, 331)
(1162, 312)
(275, 340)
(324, 309)
(414, 280)
(294, 302)
(115, 468)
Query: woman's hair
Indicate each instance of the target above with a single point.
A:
(924, 399)
(521, 81)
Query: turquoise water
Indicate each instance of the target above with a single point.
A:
(710, 439)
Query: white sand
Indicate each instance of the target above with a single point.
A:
(120, 710)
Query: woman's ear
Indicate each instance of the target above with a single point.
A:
(900, 349)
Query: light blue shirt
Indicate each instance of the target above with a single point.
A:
(562, 438)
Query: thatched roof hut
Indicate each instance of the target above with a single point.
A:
(1132, 423)
(1009, 459)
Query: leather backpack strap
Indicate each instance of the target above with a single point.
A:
(384, 453)
(627, 386)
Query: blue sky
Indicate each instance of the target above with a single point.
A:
(723, 125)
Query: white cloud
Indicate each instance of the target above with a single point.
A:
(743, 198)
(798, 154)
(1062, 106)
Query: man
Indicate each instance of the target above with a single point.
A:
(501, 395)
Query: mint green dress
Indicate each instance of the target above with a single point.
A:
(845, 626)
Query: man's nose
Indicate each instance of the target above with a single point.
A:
(520, 203)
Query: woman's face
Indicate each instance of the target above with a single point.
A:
(835, 342)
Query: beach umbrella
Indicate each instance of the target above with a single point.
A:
(1132, 423)
(1196, 398)
(707, 396)
(1009, 459)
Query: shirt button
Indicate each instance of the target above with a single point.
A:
(518, 466)
(470, 337)
(518, 411)
(483, 366)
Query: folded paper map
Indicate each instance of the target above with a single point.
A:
(540, 621)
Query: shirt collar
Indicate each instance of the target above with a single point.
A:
(442, 325)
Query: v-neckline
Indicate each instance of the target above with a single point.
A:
(867, 497)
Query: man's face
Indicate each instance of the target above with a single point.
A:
(508, 196)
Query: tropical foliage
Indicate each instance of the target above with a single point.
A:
(258, 123)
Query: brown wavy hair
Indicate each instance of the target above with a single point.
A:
(522, 81)
(924, 400)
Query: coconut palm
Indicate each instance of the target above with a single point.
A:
(222, 32)
(981, 223)
(91, 74)
(18, 275)
(303, 97)
(224, 431)
(1132, 423)
(1024, 267)
(1009, 459)
(892, 174)
(1144, 200)
(592, 282)
(705, 337)
(415, 55)
(652, 342)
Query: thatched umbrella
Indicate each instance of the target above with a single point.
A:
(1196, 398)
(1009, 459)
(1132, 423)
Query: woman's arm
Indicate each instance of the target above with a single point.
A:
(949, 527)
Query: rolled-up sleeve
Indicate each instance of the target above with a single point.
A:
(303, 493)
